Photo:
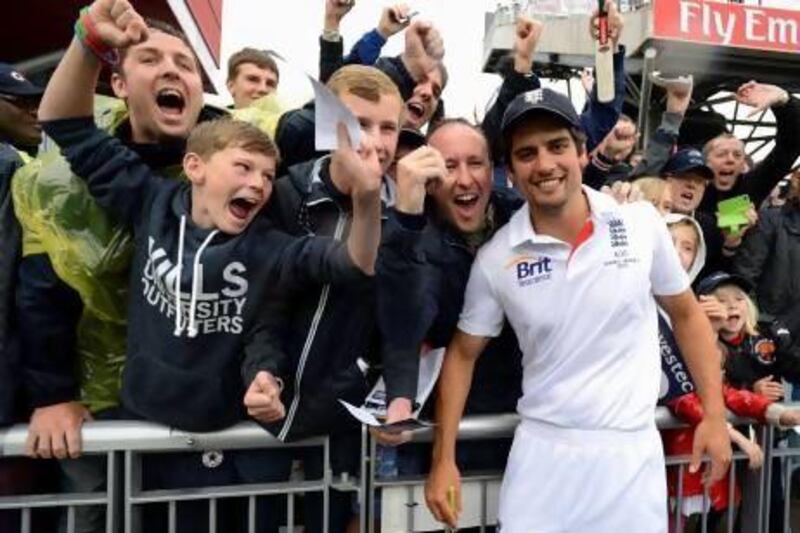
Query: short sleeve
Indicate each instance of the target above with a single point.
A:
(482, 315)
(667, 276)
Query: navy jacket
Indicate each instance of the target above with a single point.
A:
(422, 273)
(185, 370)
(10, 161)
(324, 341)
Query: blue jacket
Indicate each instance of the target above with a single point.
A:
(422, 273)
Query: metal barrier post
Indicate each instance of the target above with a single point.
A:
(766, 489)
(370, 502)
(133, 486)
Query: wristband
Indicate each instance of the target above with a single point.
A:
(331, 35)
(86, 33)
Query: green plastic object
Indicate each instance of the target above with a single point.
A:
(732, 213)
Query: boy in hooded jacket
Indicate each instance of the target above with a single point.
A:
(191, 319)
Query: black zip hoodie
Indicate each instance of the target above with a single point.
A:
(184, 369)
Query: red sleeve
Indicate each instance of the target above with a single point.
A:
(745, 403)
(688, 408)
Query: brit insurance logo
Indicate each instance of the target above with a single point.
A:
(531, 269)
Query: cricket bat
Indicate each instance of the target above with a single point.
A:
(604, 58)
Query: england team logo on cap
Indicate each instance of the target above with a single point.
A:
(17, 76)
(534, 97)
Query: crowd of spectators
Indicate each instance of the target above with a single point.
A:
(168, 261)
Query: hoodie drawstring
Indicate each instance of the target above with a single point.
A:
(195, 276)
(178, 322)
(179, 325)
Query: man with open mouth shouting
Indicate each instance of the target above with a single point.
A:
(72, 289)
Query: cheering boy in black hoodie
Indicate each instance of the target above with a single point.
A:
(204, 260)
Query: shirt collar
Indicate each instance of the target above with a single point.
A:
(602, 207)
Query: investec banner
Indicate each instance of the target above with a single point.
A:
(703, 21)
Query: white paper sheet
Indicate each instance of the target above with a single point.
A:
(328, 113)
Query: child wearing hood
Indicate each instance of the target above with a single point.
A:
(678, 392)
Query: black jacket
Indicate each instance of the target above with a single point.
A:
(422, 273)
(770, 259)
(760, 181)
(195, 293)
(10, 161)
(325, 340)
(754, 357)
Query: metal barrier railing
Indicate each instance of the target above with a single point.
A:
(751, 519)
(129, 441)
(123, 444)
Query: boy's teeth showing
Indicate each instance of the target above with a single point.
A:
(241, 207)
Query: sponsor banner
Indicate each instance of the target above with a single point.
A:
(711, 22)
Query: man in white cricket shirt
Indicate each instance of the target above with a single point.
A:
(576, 274)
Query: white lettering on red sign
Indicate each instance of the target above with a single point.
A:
(723, 24)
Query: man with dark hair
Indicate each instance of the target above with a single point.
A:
(588, 399)
(251, 74)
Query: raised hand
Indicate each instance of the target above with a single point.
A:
(335, 11)
(263, 398)
(526, 37)
(414, 172)
(679, 96)
(615, 23)
(714, 310)
(424, 49)
(621, 141)
(117, 23)
(394, 19)
(357, 171)
(760, 96)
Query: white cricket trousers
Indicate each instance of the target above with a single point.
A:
(595, 481)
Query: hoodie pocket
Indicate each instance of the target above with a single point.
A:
(200, 399)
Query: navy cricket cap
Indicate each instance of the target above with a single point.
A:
(12, 82)
(545, 101)
(687, 160)
(710, 283)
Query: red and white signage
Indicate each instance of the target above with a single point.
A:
(717, 23)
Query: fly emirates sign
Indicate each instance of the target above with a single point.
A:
(704, 21)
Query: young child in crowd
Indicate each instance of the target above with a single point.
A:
(759, 354)
(205, 262)
(685, 403)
